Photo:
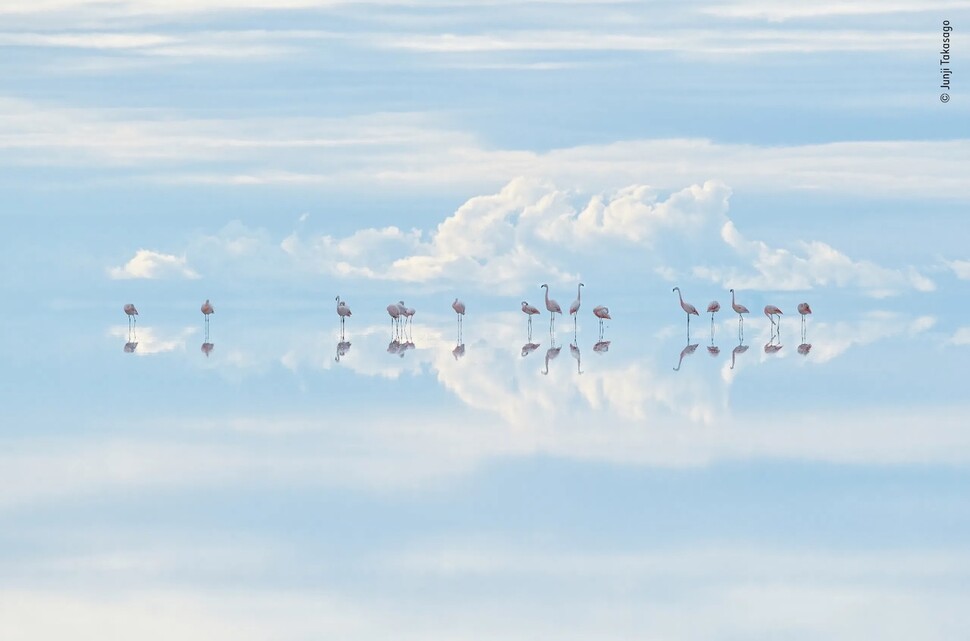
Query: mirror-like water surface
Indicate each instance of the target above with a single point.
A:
(275, 470)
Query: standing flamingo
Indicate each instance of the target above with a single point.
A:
(459, 308)
(530, 311)
(771, 310)
(407, 313)
(553, 308)
(739, 309)
(687, 307)
(574, 308)
(602, 312)
(343, 311)
(394, 310)
(804, 310)
(132, 312)
(712, 308)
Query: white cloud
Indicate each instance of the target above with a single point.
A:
(961, 336)
(148, 340)
(961, 268)
(152, 264)
(420, 150)
(816, 264)
(773, 11)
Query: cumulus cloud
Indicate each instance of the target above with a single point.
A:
(533, 229)
(812, 263)
(152, 264)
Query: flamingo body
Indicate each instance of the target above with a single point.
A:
(459, 307)
(713, 307)
(602, 312)
(130, 310)
(531, 310)
(804, 309)
(771, 310)
(687, 307)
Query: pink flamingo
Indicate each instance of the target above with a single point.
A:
(739, 309)
(407, 313)
(712, 308)
(553, 308)
(771, 310)
(395, 312)
(574, 308)
(132, 312)
(687, 307)
(343, 311)
(459, 308)
(804, 310)
(602, 312)
(530, 311)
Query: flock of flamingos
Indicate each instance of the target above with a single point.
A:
(401, 321)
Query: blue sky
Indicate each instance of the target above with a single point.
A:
(269, 156)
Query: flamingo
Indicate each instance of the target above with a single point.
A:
(739, 309)
(132, 312)
(574, 308)
(459, 308)
(602, 312)
(530, 311)
(207, 309)
(712, 308)
(687, 307)
(553, 308)
(804, 309)
(395, 312)
(343, 311)
(771, 310)
(406, 312)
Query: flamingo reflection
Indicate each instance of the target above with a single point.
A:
(551, 353)
(687, 351)
(207, 348)
(528, 348)
(740, 349)
(459, 351)
(342, 348)
(601, 347)
(574, 351)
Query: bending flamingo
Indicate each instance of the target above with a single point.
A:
(771, 310)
